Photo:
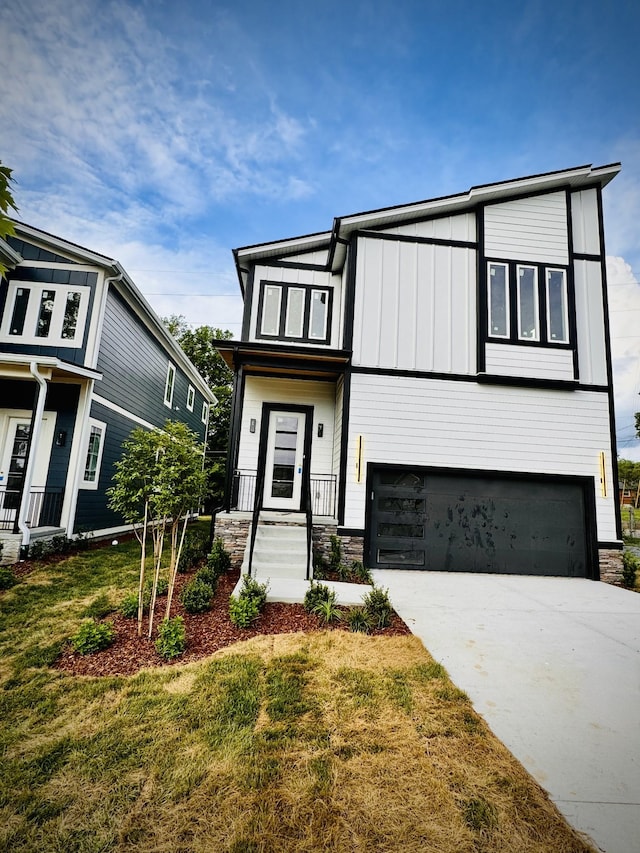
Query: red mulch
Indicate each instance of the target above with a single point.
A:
(206, 633)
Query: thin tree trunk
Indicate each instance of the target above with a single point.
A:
(155, 579)
(143, 557)
(174, 572)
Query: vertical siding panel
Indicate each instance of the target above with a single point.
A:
(388, 328)
(424, 307)
(590, 323)
(584, 215)
(407, 306)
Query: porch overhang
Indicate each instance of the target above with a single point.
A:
(267, 359)
(17, 366)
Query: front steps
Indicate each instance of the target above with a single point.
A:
(280, 549)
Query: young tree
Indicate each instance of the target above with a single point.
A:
(6, 204)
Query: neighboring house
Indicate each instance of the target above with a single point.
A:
(83, 361)
(435, 379)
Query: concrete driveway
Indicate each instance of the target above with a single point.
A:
(553, 666)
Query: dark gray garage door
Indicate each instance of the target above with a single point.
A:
(466, 523)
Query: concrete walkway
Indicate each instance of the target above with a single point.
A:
(553, 665)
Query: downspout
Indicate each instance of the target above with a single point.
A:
(34, 437)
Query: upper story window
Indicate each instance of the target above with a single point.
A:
(527, 303)
(294, 312)
(205, 413)
(95, 448)
(49, 314)
(169, 385)
(191, 396)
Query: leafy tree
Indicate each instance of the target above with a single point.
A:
(637, 417)
(628, 472)
(158, 481)
(199, 345)
(6, 204)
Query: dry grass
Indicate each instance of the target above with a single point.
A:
(320, 742)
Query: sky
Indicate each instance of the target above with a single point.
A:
(165, 134)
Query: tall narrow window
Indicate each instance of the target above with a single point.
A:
(498, 301)
(271, 310)
(318, 321)
(19, 311)
(191, 396)
(557, 315)
(95, 447)
(295, 312)
(46, 311)
(168, 388)
(205, 413)
(70, 319)
(528, 320)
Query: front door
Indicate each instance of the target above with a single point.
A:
(284, 460)
(13, 461)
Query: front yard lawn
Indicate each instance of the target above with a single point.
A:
(317, 741)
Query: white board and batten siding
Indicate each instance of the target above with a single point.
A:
(415, 307)
(529, 362)
(585, 223)
(320, 395)
(592, 349)
(529, 229)
(312, 278)
(465, 425)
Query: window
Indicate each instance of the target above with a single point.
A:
(536, 295)
(294, 312)
(205, 413)
(168, 388)
(191, 396)
(95, 446)
(51, 314)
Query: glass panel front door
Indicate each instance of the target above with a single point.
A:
(283, 475)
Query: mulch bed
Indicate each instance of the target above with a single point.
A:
(206, 633)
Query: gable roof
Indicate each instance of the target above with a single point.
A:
(343, 226)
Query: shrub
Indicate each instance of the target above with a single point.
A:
(55, 546)
(335, 553)
(93, 636)
(161, 589)
(207, 576)
(194, 549)
(378, 607)
(7, 578)
(360, 572)
(344, 572)
(243, 611)
(196, 596)
(630, 565)
(357, 620)
(317, 593)
(254, 590)
(320, 565)
(328, 611)
(172, 638)
(129, 606)
(219, 560)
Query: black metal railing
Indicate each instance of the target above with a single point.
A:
(322, 492)
(257, 506)
(44, 508)
(308, 512)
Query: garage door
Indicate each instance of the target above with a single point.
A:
(462, 522)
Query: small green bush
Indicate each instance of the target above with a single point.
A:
(207, 576)
(93, 636)
(328, 611)
(378, 607)
(358, 620)
(196, 596)
(360, 572)
(172, 638)
(317, 593)
(630, 564)
(254, 590)
(194, 549)
(335, 553)
(243, 611)
(219, 560)
(129, 606)
(320, 565)
(7, 578)
(161, 589)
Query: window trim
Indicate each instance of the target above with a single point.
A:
(284, 289)
(191, 397)
(34, 302)
(536, 302)
(204, 417)
(565, 312)
(101, 426)
(507, 300)
(169, 385)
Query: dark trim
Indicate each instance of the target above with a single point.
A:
(481, 294)
(571, 288)
(310, 374)
(285, 287)
(344, 445)
(351, 531)
(350, 294)
(587, 484)
(607, 337)
(295, 266)
(267, 409)
(405, 238)
(248, 305)
(611, 546)
(298, 250)
(415, 374)
(581, 256)
(528, 382)
(267, 347)
(237, 403)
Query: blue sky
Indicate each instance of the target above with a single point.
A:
(165, 134)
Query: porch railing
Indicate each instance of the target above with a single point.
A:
(44, 508)
(322, 492)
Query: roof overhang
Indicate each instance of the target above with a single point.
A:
(344, 226)
(274, 359)
(18, 366)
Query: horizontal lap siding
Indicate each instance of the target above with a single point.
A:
(529, 362)
(289, 392)
(584, 222)
(319, 258)
(415, 307)
(425, 422)
(530, 229)
(461, 227)
(590, 323)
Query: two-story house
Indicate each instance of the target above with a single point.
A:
(434, 381)
(83, 361)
